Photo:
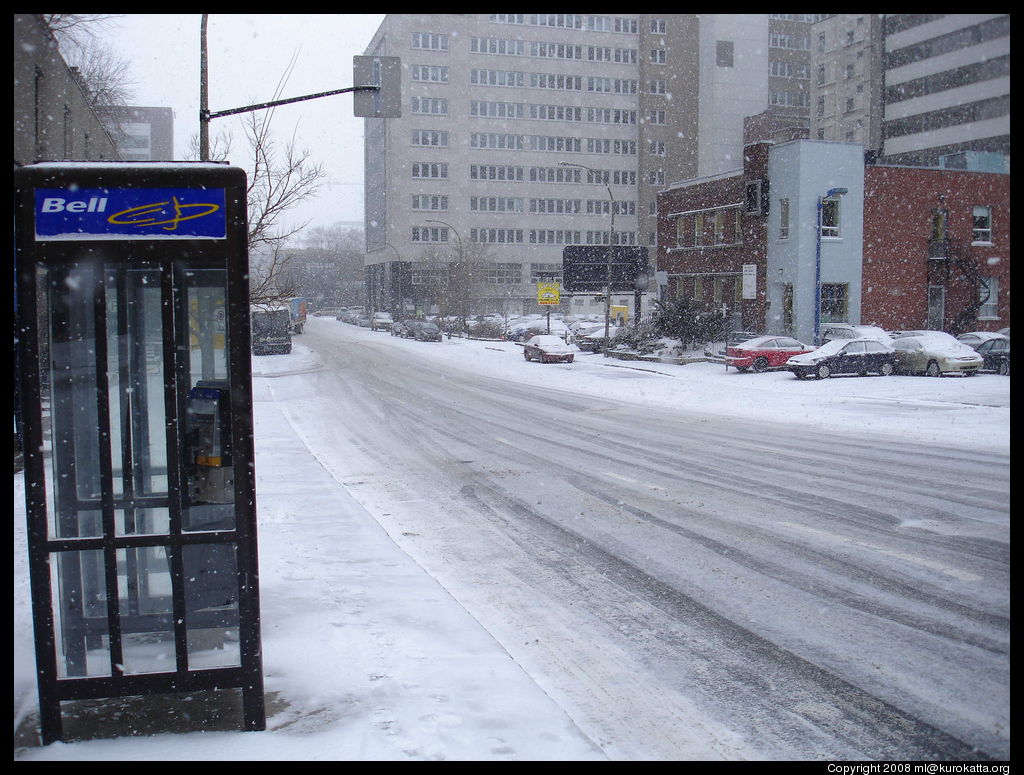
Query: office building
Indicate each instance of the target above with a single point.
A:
(521, 134)
(947, 86)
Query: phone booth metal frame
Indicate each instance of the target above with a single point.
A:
(132, 321)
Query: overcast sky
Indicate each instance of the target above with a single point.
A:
(248, 56)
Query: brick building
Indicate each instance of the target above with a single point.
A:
(903, 248)
(936, 249)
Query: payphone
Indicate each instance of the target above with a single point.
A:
(136, 406)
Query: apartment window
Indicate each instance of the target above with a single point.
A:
(784, 219)
(429, 73)
(988, 295)
(430, 137)
(830, 217)
(834, 302)
(723, 53)
(503, 274)
(698, 229)
(982, 230)
(658, 86)
(429, 170)
(496, 236)
(659, 56)
(659, 26)
(654, 177)
(429, 202)
(656, 117)
(655, 148)
(680, 232)
(434, 106)
(495, 204)
(432, 41)
(719, 227)
(429, 234)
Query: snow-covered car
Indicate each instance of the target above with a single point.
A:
(402, 328)
(591, 338)
(995, 354)
(845, 356)
(425, 331)
(830, 331)
(381, 321)
(548, 348)
(935, 353)
(975, 338)
(764, 352)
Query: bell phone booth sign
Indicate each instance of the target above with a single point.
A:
(135, 409)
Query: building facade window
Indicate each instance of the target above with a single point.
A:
(830, 220)
(988, 295)
(834, 302)
(784, 219)
(981, 231)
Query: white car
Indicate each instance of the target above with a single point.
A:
(382, 321)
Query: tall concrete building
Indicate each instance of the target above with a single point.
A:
(523, 133)
(846, 79)
(947, 86)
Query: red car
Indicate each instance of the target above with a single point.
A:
(548, 349)
(764, 352)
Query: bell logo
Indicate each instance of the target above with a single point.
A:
(58, 204)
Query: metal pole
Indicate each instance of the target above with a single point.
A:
(817, 279)
(204, 97)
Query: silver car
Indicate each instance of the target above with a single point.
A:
(935, 353)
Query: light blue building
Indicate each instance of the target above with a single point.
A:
(802, 173)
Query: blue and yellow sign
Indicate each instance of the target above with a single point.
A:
(130, 213)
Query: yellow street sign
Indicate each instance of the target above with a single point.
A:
(548, 293)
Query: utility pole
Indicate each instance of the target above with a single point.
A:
(386, 72)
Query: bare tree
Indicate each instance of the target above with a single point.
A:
(105, 77)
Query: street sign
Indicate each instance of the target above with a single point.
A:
(585, 268)
(548, 293)
(384, 72)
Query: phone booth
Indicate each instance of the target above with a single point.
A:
(136, 407)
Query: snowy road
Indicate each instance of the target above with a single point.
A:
(685, 586)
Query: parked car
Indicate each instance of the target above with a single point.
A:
(591, 338)
(845, 356)
(974, 338)
(425, 331)
(830, 331)
(548, 348)
(995, 355)
(402, 328)
(763, 353)
(362, 320)
(381, 321)
(935, 353)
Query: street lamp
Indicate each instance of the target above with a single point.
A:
(462, 260)
(611, 241)
(831, 193)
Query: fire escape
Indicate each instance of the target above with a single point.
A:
(952, 268)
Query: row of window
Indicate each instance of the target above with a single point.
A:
(496, 274)
(511, 142)
(576, 21)
(516, 174)
(546, 50)
(538, 206)
(514, 236)
(567, 113)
